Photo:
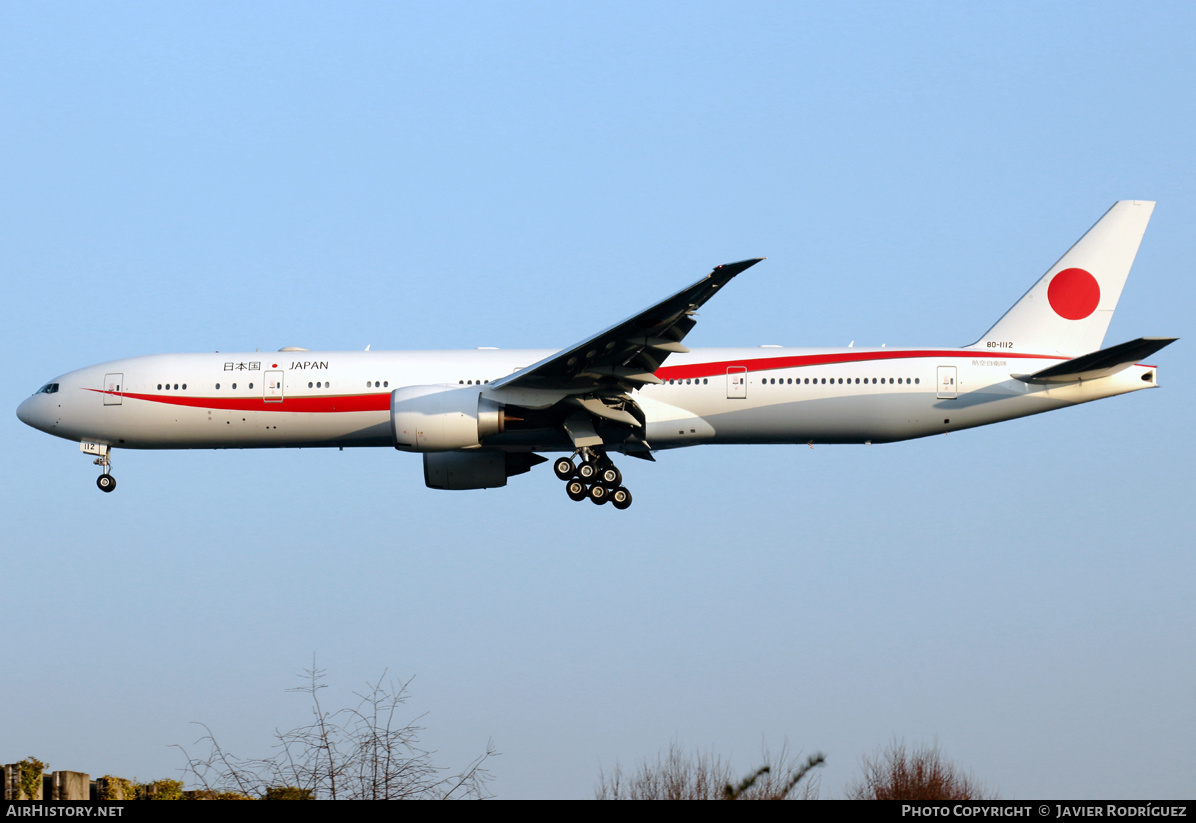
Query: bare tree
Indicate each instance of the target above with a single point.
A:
(363, 752)
(921, 773)
(679, 775)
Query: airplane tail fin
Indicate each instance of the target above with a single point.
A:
(1068, 311)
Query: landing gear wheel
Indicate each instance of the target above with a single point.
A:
(599, 494)
(610, 476)
(564, 468)
(587, 471)
(106, 482)
(621, 498)
(576, 490)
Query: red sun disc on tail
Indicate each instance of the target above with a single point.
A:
(1074, 294)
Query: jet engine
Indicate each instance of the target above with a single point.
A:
(436, 419)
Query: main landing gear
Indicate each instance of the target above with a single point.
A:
(594, 477)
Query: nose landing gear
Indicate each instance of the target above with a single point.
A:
(105, 481)
(595, 477)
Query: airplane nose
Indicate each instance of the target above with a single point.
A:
(31, 414)
(24, 412)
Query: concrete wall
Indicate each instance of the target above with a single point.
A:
(68, 786)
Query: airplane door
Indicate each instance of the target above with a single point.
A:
(273, 386)
(948, 390)
(736, 382)
(112, 389)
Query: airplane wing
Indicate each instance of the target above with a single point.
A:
(623, 357)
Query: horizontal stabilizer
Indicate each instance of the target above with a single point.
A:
(1099, 363)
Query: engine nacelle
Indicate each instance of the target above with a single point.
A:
(475, 469)
(435, 418)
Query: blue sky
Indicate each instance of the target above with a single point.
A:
(194, 177)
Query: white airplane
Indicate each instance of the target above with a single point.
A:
(481, 416)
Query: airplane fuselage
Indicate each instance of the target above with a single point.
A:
(767, 395)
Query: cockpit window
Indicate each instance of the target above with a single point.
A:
(49, 388)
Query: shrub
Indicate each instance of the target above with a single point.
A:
(921, 773)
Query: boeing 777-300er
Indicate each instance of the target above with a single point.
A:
(481, 416)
